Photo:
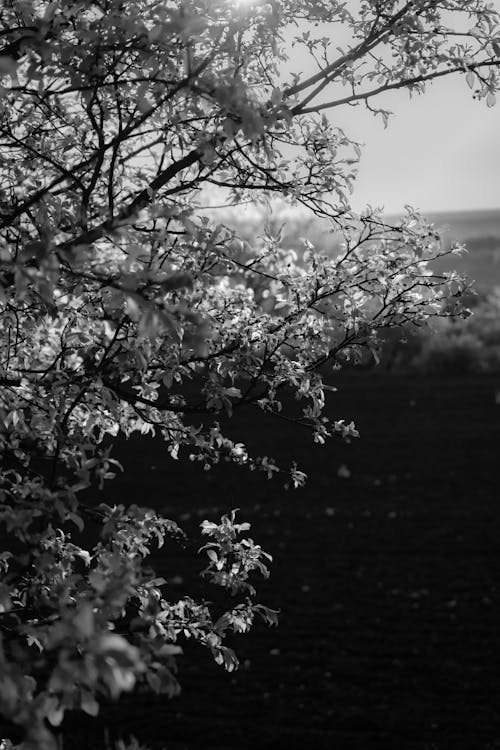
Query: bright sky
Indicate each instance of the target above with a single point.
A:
(440, 152)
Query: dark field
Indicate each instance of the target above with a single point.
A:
(388, 581)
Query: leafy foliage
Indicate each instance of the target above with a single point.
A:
(124, 309)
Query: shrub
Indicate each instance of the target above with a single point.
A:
(466, 345)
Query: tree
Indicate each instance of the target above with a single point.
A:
(116, 121)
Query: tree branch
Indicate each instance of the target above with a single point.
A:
(392, 87)
(140, 201)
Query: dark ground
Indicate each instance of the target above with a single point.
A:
(388, 581)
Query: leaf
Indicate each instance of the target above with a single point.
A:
(477, 32)
(117, 644)
(56, 715)
(343, 472)
(157, 582)
(33, 641)
(491, 99)
(232, 392)
(121, 679)
(170, 649)
(230, 659)
(190, 227)
(88, 704)
(84, 621)
(133, 309)
(77, 520)
(470, 78)
(84, 555)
